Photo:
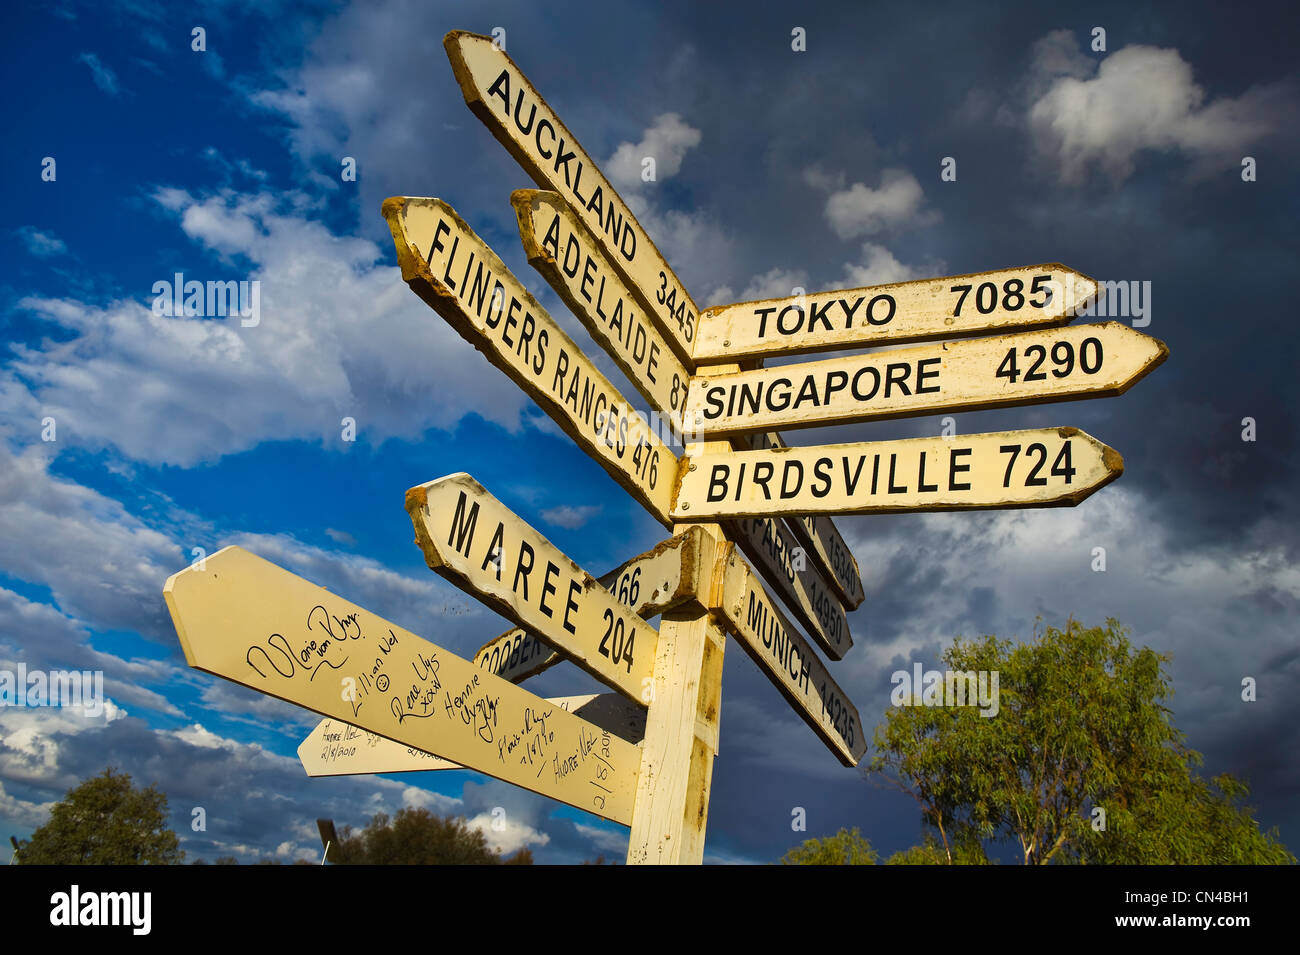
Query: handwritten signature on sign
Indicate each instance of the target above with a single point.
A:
(340, 643)
(330, 640)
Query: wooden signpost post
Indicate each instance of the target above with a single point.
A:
(751, 516)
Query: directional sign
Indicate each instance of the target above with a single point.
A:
(501, 96)
(661, 579)
(247, 620)
(925, 310)
(335, 748)
(752, 616)
(1084, 361)
(818, 534)
(576, 265)
(465, 282)
(771, 547)
(822, 540)
(473, 540)
(1046, 467)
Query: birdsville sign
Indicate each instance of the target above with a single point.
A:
(750, 517)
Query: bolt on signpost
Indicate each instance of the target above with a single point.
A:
(740, 502)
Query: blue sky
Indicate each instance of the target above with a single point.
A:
(776, 169)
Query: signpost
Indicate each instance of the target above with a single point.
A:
(643, 756)
(1083, 361)
(922, 310)
(1040, 468)
(822, 540)
(576, 265)
(776, 646)
(805, 592)
(474, 541)
(335, 748)
(246, 620)
(466, 283)
(659, 580)
(501, 96)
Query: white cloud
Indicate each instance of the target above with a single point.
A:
(570, 516)
(30, 814)
(775, 283)
(40, 244)
(245, 705)
(822, 180)
(340, 537)
(32, 738)
(879, 266)
(666, 141)
(102, 564)
(106, 568)
(860, 210)
(697, 246)
(415, 798)
(257, 803)
(505, 833)
(103, 76)
(43, 638)
(721, 295)
(339, 336)
(611, 843)
(1140, 98)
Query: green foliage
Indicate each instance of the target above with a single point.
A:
(930, 852)
(846, 847)
(105, 821)
(1190, 822)
(418, 837)
(1082, 724)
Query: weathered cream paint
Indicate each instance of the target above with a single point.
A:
(247, 620)
(458, 275)
(682, 723)
(335, 748)
(658, 580)
(481, 546)
(753, 617)
(497, 91)
(922, 310)
(576, 264)
(957, 375)
(913, 474)
(821, 540)
(770, 546)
